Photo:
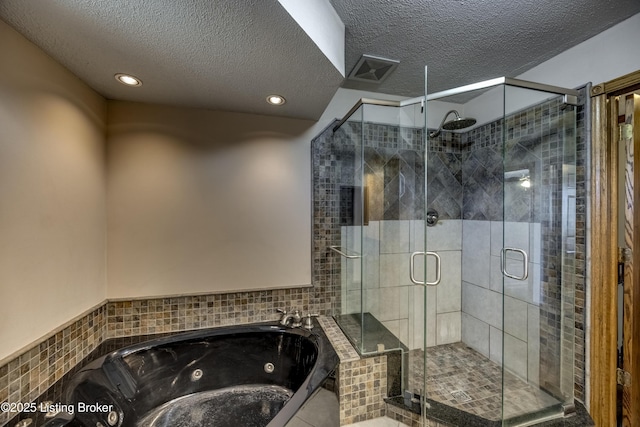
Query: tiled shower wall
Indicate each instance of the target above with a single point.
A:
(392, 164)
(501, 317)
(389, 294)
(465, 181)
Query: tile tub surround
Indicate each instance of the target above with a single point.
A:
(362, 386)
(33, 370)
(362, 382)
(26, 376)
(149, 316)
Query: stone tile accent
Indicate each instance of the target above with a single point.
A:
(340, 343)
(151, 316)
(26, 376)
(362, 385)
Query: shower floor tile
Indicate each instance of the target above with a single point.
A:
(460, 377)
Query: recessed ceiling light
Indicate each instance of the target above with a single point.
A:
(128, 79)
(276, 99)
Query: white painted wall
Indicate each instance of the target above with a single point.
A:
(208, 201)
(52, 194)
(410, 116)
(611, 54)
(205, 201)
(322, 24)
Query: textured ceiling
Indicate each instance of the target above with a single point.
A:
(226, 55)
(465, 41)
(230, 55)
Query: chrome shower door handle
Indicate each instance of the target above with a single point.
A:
(438, 268)
(525, 261)
(412, 265)
(412, 261)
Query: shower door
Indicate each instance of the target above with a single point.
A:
(538, 256)
(500, 324)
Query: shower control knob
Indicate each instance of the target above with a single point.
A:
(432, 217)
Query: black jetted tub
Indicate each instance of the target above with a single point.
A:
(241, 376)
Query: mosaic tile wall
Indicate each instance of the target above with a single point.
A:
(326, 212)
(152, 316)
(580, 267)
(363, 386)
(28, 375)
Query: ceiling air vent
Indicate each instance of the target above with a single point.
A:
(373, 69)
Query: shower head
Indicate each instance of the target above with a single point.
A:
(455, 124)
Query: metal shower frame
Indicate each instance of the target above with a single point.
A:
(570, 96)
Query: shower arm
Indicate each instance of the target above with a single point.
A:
(444, 119)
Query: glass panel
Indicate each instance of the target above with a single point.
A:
(539, 244)
(464, 311)
(382, 234)
(488, 207)
(499, 326)
(382, 188)
(346, 153)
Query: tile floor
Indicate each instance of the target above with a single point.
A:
(378, 422)
(460, 377)
(322, 410)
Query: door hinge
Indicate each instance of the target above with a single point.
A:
(625, 255)
(626, 131)
(623, 378)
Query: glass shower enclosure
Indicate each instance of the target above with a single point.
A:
(455, 249)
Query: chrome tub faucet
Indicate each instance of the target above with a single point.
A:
(292, 319)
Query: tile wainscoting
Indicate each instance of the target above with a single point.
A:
(30, 373)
